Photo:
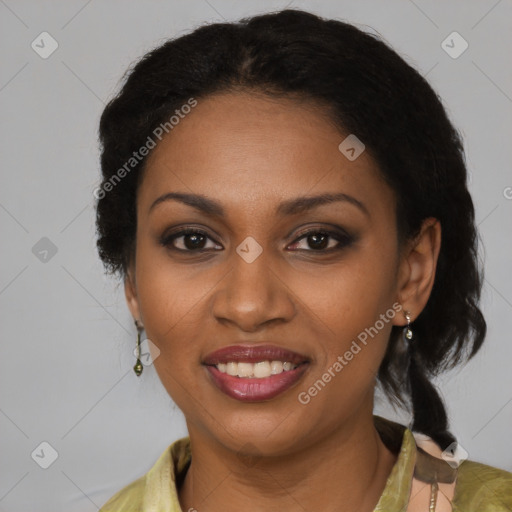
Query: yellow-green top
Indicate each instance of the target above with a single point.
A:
(479, 488)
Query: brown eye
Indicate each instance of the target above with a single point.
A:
(194, 240)
(318, 240)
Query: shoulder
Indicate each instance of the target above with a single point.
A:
(482, 488)
(156, 490)
(470, 486)
(130, 498)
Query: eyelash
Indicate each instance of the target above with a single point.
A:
(344, 240)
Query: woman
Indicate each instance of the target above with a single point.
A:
(285, 199)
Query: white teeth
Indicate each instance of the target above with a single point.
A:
(258, 370)
(276, 367)
(245, 370)
(232, 368)
(262, 370)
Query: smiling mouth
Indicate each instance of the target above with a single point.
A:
(256, 372)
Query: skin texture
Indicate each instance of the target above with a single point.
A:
(250, 152)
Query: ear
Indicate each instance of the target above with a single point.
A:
(130, 292)
(418, 269)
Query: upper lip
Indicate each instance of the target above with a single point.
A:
(253, 354)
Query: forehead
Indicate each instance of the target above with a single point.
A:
(252, 151)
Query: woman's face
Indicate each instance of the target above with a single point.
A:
(251, 281)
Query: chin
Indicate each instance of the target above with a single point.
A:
(259, 433)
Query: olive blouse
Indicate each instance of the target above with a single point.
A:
(420, 480)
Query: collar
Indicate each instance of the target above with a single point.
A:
(161, 495)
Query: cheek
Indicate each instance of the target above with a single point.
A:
(348, 297)
(174, 301)
(169, 296)
(169, 315)
(167, 306)
(352, 307)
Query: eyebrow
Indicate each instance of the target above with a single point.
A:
(289, 207)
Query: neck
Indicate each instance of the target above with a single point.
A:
(351, 467)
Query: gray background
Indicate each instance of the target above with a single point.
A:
(67, 337)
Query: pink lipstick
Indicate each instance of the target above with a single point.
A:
(255, 373)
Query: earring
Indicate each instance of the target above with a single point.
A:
(407, 332)
(138, 365)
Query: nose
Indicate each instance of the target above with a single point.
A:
(253, 294)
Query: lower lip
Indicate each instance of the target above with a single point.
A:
(256, 390)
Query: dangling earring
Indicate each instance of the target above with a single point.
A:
(138, 365)
(407, 332)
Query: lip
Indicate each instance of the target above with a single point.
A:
(255, 389)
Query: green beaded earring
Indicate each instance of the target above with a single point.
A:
(407, 330)
(138, 365)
